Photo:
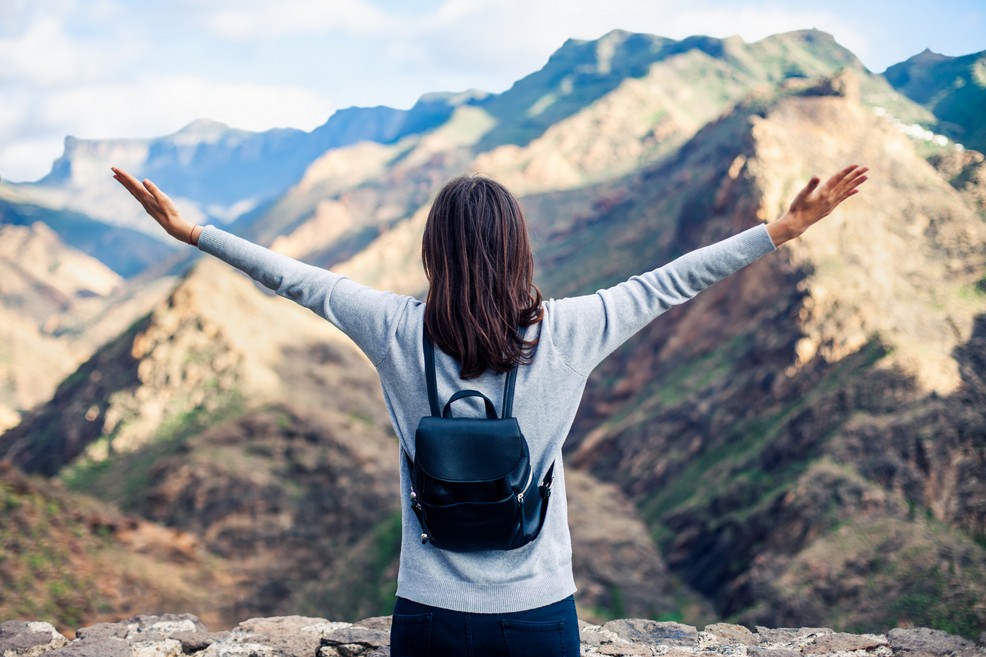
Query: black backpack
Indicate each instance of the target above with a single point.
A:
(471, 477)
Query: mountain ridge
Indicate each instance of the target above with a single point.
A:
(953, 88)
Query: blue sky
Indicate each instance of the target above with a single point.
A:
(120, 68)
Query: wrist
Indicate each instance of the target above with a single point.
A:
(783, 230)
(193, 235)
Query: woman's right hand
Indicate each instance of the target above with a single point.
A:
(161, 208)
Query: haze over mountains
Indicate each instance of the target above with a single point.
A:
(803, 444)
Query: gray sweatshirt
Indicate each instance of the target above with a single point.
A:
(575, 335)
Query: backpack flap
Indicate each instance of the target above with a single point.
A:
(466, 449)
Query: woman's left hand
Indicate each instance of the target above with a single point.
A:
(813, 203)
(161, 208)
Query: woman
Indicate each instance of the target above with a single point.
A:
(485, 316)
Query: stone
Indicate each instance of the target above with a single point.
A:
(924, 640)
(620, 650)
(28, 638)
(727, 633)
(287, 636)
(597, 640)
(375, 623)
(978, 651)
(594, 635)
(234, 649)
(790, 637)
(94, 647)
(654, 632)
(165, 648)
(179, 635)
(760, 651)
(686, 652)
(353, 641)
(825, 644)
(165, 624)
(193, 642)
(102, 631)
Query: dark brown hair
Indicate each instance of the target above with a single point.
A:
(478, 260)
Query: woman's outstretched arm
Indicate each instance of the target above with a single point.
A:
(596, 324)
(368, 316)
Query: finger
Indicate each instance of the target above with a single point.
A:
(124, 177)
(853, 183)
(837, 187)
(132, 186)
(806, 191)
(163, 200)
(857, 173)
(846, 171)
(851, 191)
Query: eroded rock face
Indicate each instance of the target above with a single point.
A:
(28, 639)
(177, 635)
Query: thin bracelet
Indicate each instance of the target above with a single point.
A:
(192, 232)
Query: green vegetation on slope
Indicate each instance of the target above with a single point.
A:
(953, 88)
(124, 479)
(44, 574)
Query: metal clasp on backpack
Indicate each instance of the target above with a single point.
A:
(521, 494)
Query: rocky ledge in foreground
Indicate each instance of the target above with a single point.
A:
(176, 635)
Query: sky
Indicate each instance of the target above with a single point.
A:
(97, 69)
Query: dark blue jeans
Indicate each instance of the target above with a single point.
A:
(423, 631)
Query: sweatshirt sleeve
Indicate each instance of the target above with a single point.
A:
(370, 317)
(586, 329)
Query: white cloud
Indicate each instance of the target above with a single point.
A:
(65, 42)
(100, 68)
(258, 20)
(44, 54)
(29, 159)
(503, 40)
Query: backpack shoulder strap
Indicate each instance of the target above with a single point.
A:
(429, 348)
(508, 393)
(508, 385)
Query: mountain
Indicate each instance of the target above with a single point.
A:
(213, 171)
(596, 111)
(260, 440)
(581, 72)
(800, 445)
(53, 305)
(217, 173)
(952, 88)
(127, 252)
(42, 280)
(768, 427)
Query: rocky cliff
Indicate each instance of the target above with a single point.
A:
(52, 303)
(174, 635)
